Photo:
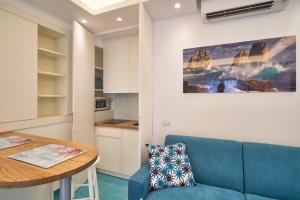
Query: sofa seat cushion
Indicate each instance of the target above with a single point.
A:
(197, 192)
(255, 197)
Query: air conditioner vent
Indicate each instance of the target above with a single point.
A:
(240, 10)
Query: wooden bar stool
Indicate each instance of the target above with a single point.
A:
(92, 184)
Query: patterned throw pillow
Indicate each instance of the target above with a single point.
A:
(169, 166)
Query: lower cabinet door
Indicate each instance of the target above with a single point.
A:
(110, 150)
(130, 152)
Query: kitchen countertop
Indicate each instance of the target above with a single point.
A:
(118, 123)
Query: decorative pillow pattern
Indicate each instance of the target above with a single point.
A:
(169, 166)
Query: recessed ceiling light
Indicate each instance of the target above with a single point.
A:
(177, 5)
(119, 19)
(84, 21)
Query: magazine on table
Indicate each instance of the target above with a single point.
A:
(12, 141)
(48, 155)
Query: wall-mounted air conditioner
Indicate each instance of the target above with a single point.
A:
(237, 9)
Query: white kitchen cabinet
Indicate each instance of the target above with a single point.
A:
(116, 66)
(121, 63)
(134, 65)
(118, 149)
(83, 85)
(18, 71)
(110, 149)
(130, 153)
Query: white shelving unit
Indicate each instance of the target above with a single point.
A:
(98, 71)
(49, 52)
(50, 96)
(43, 73)
(52, 72)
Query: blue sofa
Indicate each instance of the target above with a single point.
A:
(229, 170)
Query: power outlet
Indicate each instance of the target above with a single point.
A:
(165, 122)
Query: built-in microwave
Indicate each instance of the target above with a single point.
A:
(102, 103)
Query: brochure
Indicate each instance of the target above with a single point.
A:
(48, 155)
(12, 141)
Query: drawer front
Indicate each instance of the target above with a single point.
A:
(109, 132)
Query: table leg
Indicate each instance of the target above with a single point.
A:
(65, 189)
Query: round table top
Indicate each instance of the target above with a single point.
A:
(16, 174)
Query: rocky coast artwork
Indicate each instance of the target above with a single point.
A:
(267, 65)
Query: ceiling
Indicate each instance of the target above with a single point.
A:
(163, 9)
(96, 7)
(67, 11)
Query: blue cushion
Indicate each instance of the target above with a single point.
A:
(272, 171)
(198, 192)
(214, 162)
(255, 197)
(169, 166)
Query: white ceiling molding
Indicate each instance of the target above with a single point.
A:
(118, 32)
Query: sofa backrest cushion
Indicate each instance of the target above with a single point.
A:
(272, 171)
(214, 162)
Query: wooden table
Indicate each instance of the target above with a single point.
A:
(16, 174)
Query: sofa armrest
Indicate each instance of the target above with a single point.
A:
(139, 184)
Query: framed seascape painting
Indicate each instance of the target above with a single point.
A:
(267, 65)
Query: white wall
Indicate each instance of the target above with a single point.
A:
(104, 115)
(125, 106)
(145, 80)
(260, 117)
(62, 131)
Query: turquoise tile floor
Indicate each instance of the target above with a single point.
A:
(110, 188)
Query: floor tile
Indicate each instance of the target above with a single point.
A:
(106, 178)
(82, 192)
(120, 182)
(102, 187)
(110, 188)
(114, 193)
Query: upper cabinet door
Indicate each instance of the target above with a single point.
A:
(134, 64)
(116, 65)
(83, 85)
(18, 68)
